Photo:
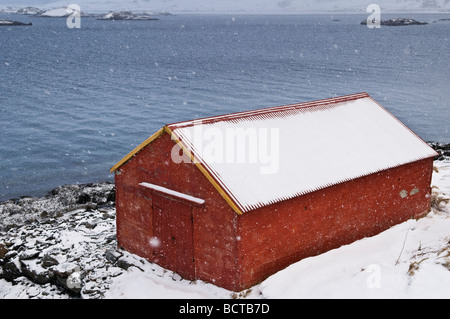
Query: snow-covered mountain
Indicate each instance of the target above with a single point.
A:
(238, 6)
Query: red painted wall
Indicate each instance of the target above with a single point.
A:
(275, 236)
(214, 224)
(236, 252)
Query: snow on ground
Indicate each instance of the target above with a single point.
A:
(410, 260)
(156, 283)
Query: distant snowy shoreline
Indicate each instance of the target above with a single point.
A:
(63, 12)
(249, 8)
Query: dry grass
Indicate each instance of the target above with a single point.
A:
(241, 295)
(438, 202)
(440, 256)
(414, 266)
(445, 252)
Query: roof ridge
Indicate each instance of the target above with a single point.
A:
(263, 111)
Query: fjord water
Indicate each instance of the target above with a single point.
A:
(73, 102)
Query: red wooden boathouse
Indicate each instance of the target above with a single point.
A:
(314, 176)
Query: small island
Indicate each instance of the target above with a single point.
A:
(126, 15)
(398, 22)
(12, 23)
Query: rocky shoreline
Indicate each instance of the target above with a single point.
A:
(54, 245)
(442, 148)
(26, 210)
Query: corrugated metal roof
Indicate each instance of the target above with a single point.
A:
(265, 156)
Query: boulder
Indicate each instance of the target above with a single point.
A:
(69, 276)
(48, 261)
(12, 269)
(125, 263)
(33, 270)
(28, 254)
(3, 250)
(112, 255)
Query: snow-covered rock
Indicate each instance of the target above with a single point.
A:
(62, 199)
(12, 23)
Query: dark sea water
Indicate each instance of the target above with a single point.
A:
(73, 102)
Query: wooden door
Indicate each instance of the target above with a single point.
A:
(173, 226)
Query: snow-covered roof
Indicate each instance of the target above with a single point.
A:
(261, 157)
(299, 148)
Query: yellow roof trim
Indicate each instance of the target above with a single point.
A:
(137, 149)
(204, 171)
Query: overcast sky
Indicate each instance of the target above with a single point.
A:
(267, 6)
